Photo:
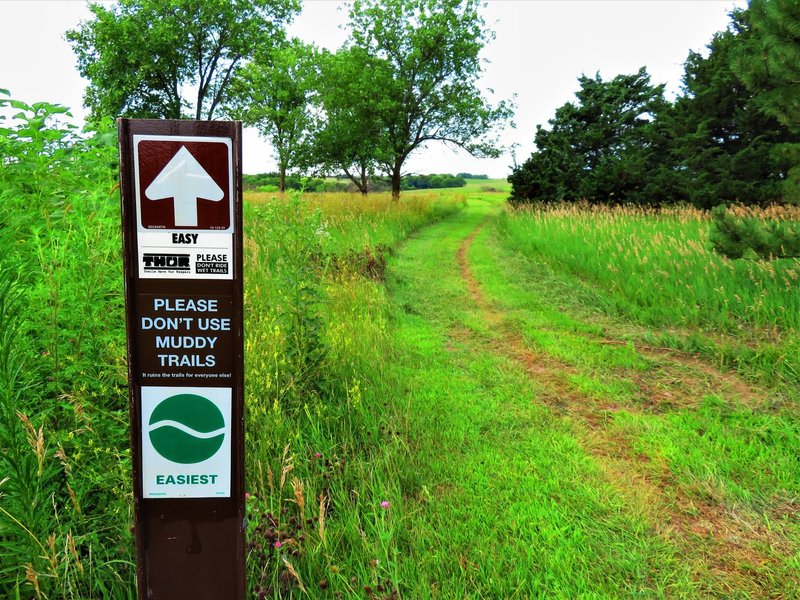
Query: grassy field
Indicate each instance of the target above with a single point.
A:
(657, 269)
(523, 440)
(564, 457)
(445, 399)
(313, 324)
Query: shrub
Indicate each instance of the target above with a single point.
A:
(424, 182)
(270, 182)
(746, 236)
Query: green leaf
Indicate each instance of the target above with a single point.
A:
(53, 109)
(20, 105)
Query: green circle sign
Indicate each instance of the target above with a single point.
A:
(187, 428)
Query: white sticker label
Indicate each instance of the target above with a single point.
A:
(178, 255)
(186, 442)
(184, 206)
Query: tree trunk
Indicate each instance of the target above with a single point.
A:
(364, 182)
(396, 181)
(282, 182)
(357, 179)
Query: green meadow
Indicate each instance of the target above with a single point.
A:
(445, 397)
(579, 382)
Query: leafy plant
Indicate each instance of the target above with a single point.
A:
(28, 478)
(65, 499)
(293, 238)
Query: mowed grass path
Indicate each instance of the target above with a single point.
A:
(549, 458)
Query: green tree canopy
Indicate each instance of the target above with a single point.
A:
(273, 93)
(724, 147)
(350, 135)
(769, 62)
(145, 58)
(427, 87)
(732, 136)
(602, 148)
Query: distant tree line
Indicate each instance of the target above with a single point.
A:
(425, 182)
(270, 182)
(732, 136)
(406, 76)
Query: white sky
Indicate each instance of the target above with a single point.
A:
(540, 49)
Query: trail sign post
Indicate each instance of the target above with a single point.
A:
(181, 187)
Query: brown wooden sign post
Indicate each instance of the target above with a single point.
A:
(182, 236)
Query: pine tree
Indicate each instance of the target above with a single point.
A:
(723, 146)
(769, 63)
(601, 148)
(743, 237)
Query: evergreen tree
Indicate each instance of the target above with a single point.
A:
(764, 57)
(723, 146)
(747, 237)
(769, 63)
(604, 148)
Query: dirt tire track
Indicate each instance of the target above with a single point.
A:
(727, 535)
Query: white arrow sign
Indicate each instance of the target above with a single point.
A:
(185, 181)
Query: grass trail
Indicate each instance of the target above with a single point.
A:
(550, 458)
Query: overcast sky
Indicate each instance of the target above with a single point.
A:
(540, 49)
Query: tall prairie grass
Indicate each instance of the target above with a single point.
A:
(660, 264)
(314, 380)
(353, 222)
(657, 267)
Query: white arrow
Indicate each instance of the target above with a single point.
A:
(185, 181)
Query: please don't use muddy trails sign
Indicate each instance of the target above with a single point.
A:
(182, 237)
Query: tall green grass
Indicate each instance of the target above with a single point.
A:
(703, 445)
(316, 329)
(660, 266)
(65, 509)
(658, 269)
(316, 346)
(351, 222)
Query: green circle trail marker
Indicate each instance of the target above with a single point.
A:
(187, 429)
(186, 442)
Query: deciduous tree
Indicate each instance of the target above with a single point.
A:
(350, 135)
(430, 54)
(146, 58)
(273, 93)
